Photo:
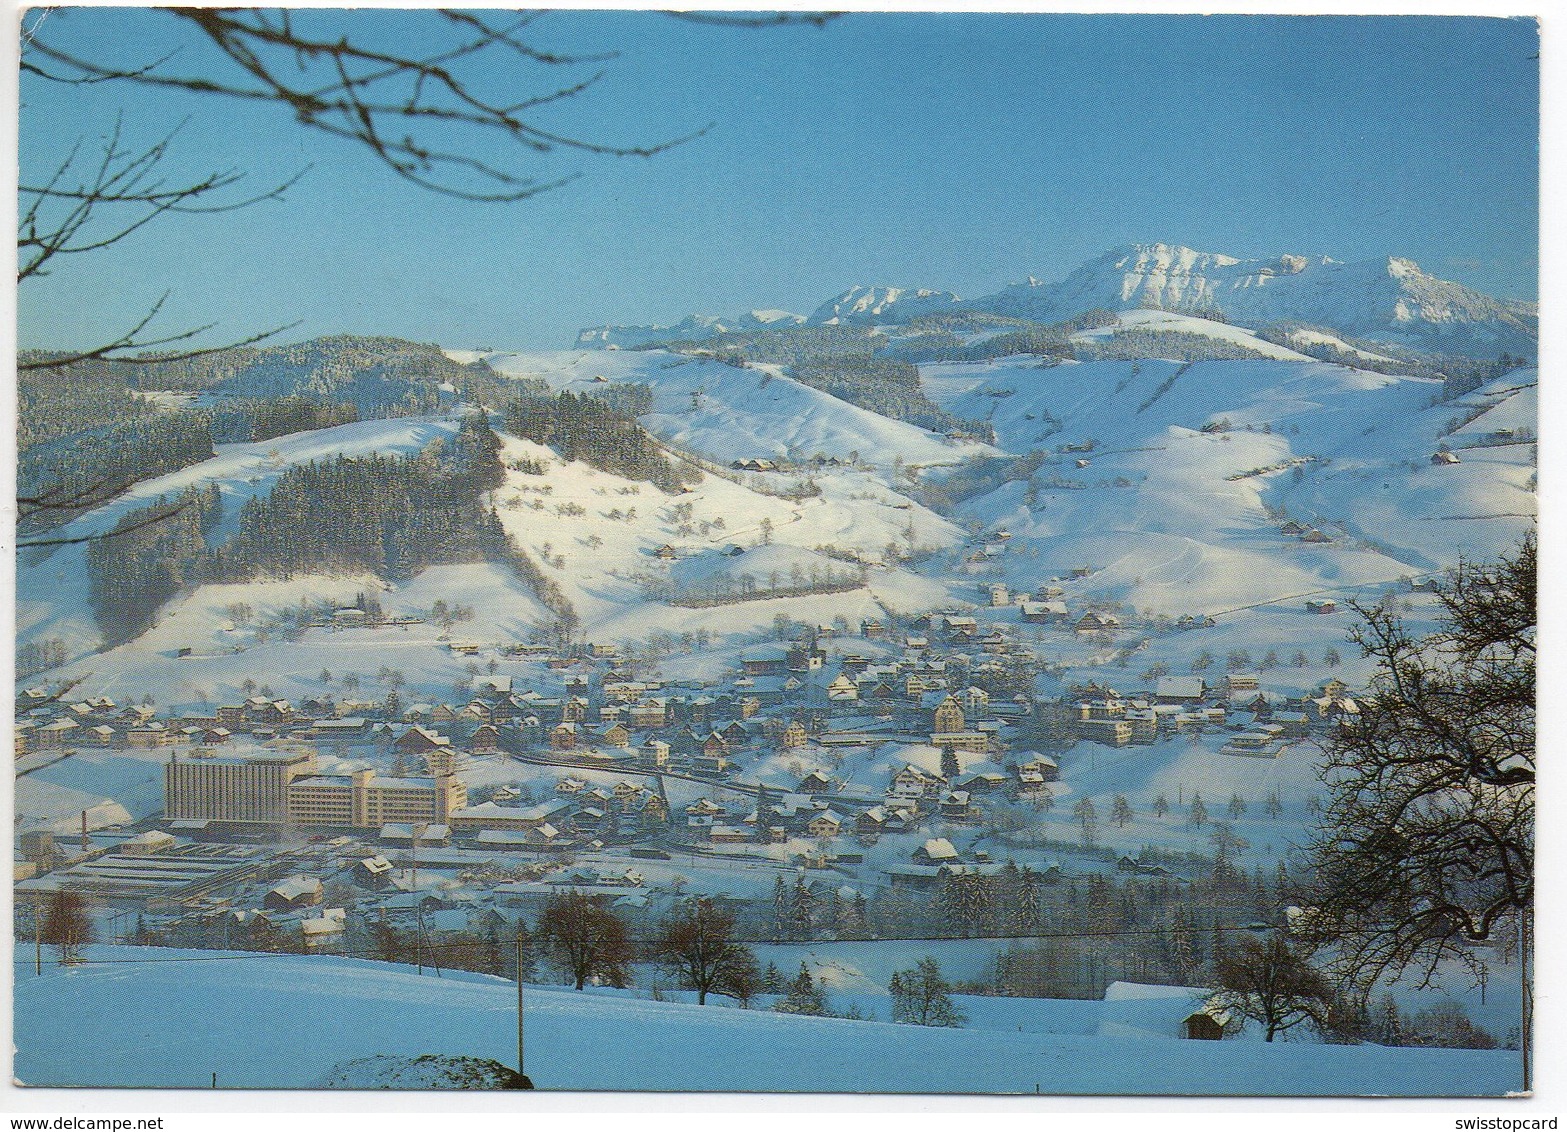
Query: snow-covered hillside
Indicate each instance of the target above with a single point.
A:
(225, 654)
(1194, 466)
(1172, 322)
(51, 585)
(598, 535)
(727, 413)
(138, 1017)
(593, 532)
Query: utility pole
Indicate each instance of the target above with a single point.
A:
(1526, 998)
(524, 1082)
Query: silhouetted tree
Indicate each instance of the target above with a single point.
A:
(585, 941)
(920, 996)
(1426, 839)
(1272, 984)
(67, 924)
(698, 945)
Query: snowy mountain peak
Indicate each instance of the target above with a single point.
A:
(692, 328)
(862, 304)
(1388, 298)
(1167, 257)
(770, 317)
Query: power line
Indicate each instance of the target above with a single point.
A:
(515, 941)
(1357, 587)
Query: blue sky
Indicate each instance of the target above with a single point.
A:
(955, 151)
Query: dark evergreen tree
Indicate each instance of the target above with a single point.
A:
(802, 910)
(142, 564)
(804, 996)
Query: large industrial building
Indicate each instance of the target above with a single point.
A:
(283, 786)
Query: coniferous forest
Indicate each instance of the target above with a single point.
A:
(595, 432)
(97, 465)
(150, 555)
(55, 403)
(386, 515)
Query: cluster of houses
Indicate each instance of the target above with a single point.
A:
(1259, 721)
(578, 815)
(823, 809)
(783, 698)
(45, 723)
(791, 697)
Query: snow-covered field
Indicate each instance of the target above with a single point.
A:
(114, 787)
(597, 533)
(145, 1018)
(730, 413)
(1178, 519)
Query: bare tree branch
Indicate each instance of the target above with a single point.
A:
(348, 89)
(131, 348)
(118, 195)
(760, 20)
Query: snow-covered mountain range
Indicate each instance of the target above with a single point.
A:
(870, 305)
(692, 328)
(1388, 299)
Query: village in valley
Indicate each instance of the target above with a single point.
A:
(868, 765)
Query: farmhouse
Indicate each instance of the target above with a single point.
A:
(826, 824)
(1094, 622)
(297, 891)
(420, 741)
(936, 851)
(1042, 612)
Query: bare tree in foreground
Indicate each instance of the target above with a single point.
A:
(920, 996)
(584, 941)
(1273, 985)
(1426, 842)
(67, 925)
(698, 945)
